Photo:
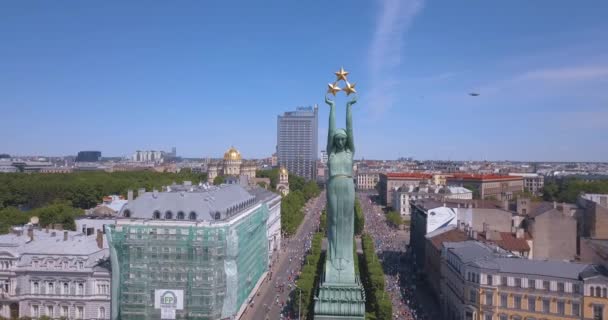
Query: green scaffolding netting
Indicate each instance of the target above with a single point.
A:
(217, 266)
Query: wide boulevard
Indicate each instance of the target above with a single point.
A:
(272, 300)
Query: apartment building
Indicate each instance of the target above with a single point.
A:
(482, 282)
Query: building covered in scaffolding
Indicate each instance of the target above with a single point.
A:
(192, 252)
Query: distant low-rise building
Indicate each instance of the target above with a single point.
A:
(390, 182)
(403, 196)
(54, 273)
(367, 180)
(533, 182)
(487, 186)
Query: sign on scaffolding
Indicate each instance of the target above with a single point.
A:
(168, 300)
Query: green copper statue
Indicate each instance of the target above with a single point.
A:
(339, 267)
(340, 295)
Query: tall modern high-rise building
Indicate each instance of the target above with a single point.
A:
(297, 141)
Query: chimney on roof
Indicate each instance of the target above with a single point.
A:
(30, 233)
(65, 236)
(141, 192)
(99, 239)
(130, 195)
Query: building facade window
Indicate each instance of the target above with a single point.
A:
(546, 305)
(561, 309)
(80, 289)
(489, 298)
(560, 286)
(503, 281)
(517, 302)
(79, 312)
(490, 278)
(598, 312)
(35, 311)
(65, 311)
(532, 304)
(35, 287)
(531, 283)
(102, 312)
(49, 311)
(518, 282)
(576, 309)
(576, 288)
(503, 300)
(473, 295)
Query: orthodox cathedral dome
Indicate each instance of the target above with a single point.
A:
(232, 154)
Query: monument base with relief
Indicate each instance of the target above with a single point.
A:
(340, 294)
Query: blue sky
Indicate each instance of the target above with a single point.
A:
(118, 76)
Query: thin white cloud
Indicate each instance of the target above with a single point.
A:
(394, 20)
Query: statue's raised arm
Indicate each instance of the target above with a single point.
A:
(332, 124)
(349, 124)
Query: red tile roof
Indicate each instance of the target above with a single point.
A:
(409, 175)
(453, 235)
(511, 243)
(482, 177)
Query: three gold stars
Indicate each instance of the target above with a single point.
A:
(341, 75)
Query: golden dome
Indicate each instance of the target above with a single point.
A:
(283, 171)
(232, 154)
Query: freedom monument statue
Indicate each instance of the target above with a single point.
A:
(340, 295)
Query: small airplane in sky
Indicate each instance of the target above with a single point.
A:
(473, 94)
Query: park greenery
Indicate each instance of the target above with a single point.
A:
(568, 189)
(372, 276)
(59, 198)
(309, 278)
(394, 219)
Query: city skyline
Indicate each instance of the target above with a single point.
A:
(118, 77)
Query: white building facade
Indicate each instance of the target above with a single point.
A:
(54, 273)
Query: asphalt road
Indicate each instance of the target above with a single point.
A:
(271, 302)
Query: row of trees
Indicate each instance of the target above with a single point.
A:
(82, 189)
(300, 191)
(59, 198)
(309, 277)
(568, 189)
(377, 301)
